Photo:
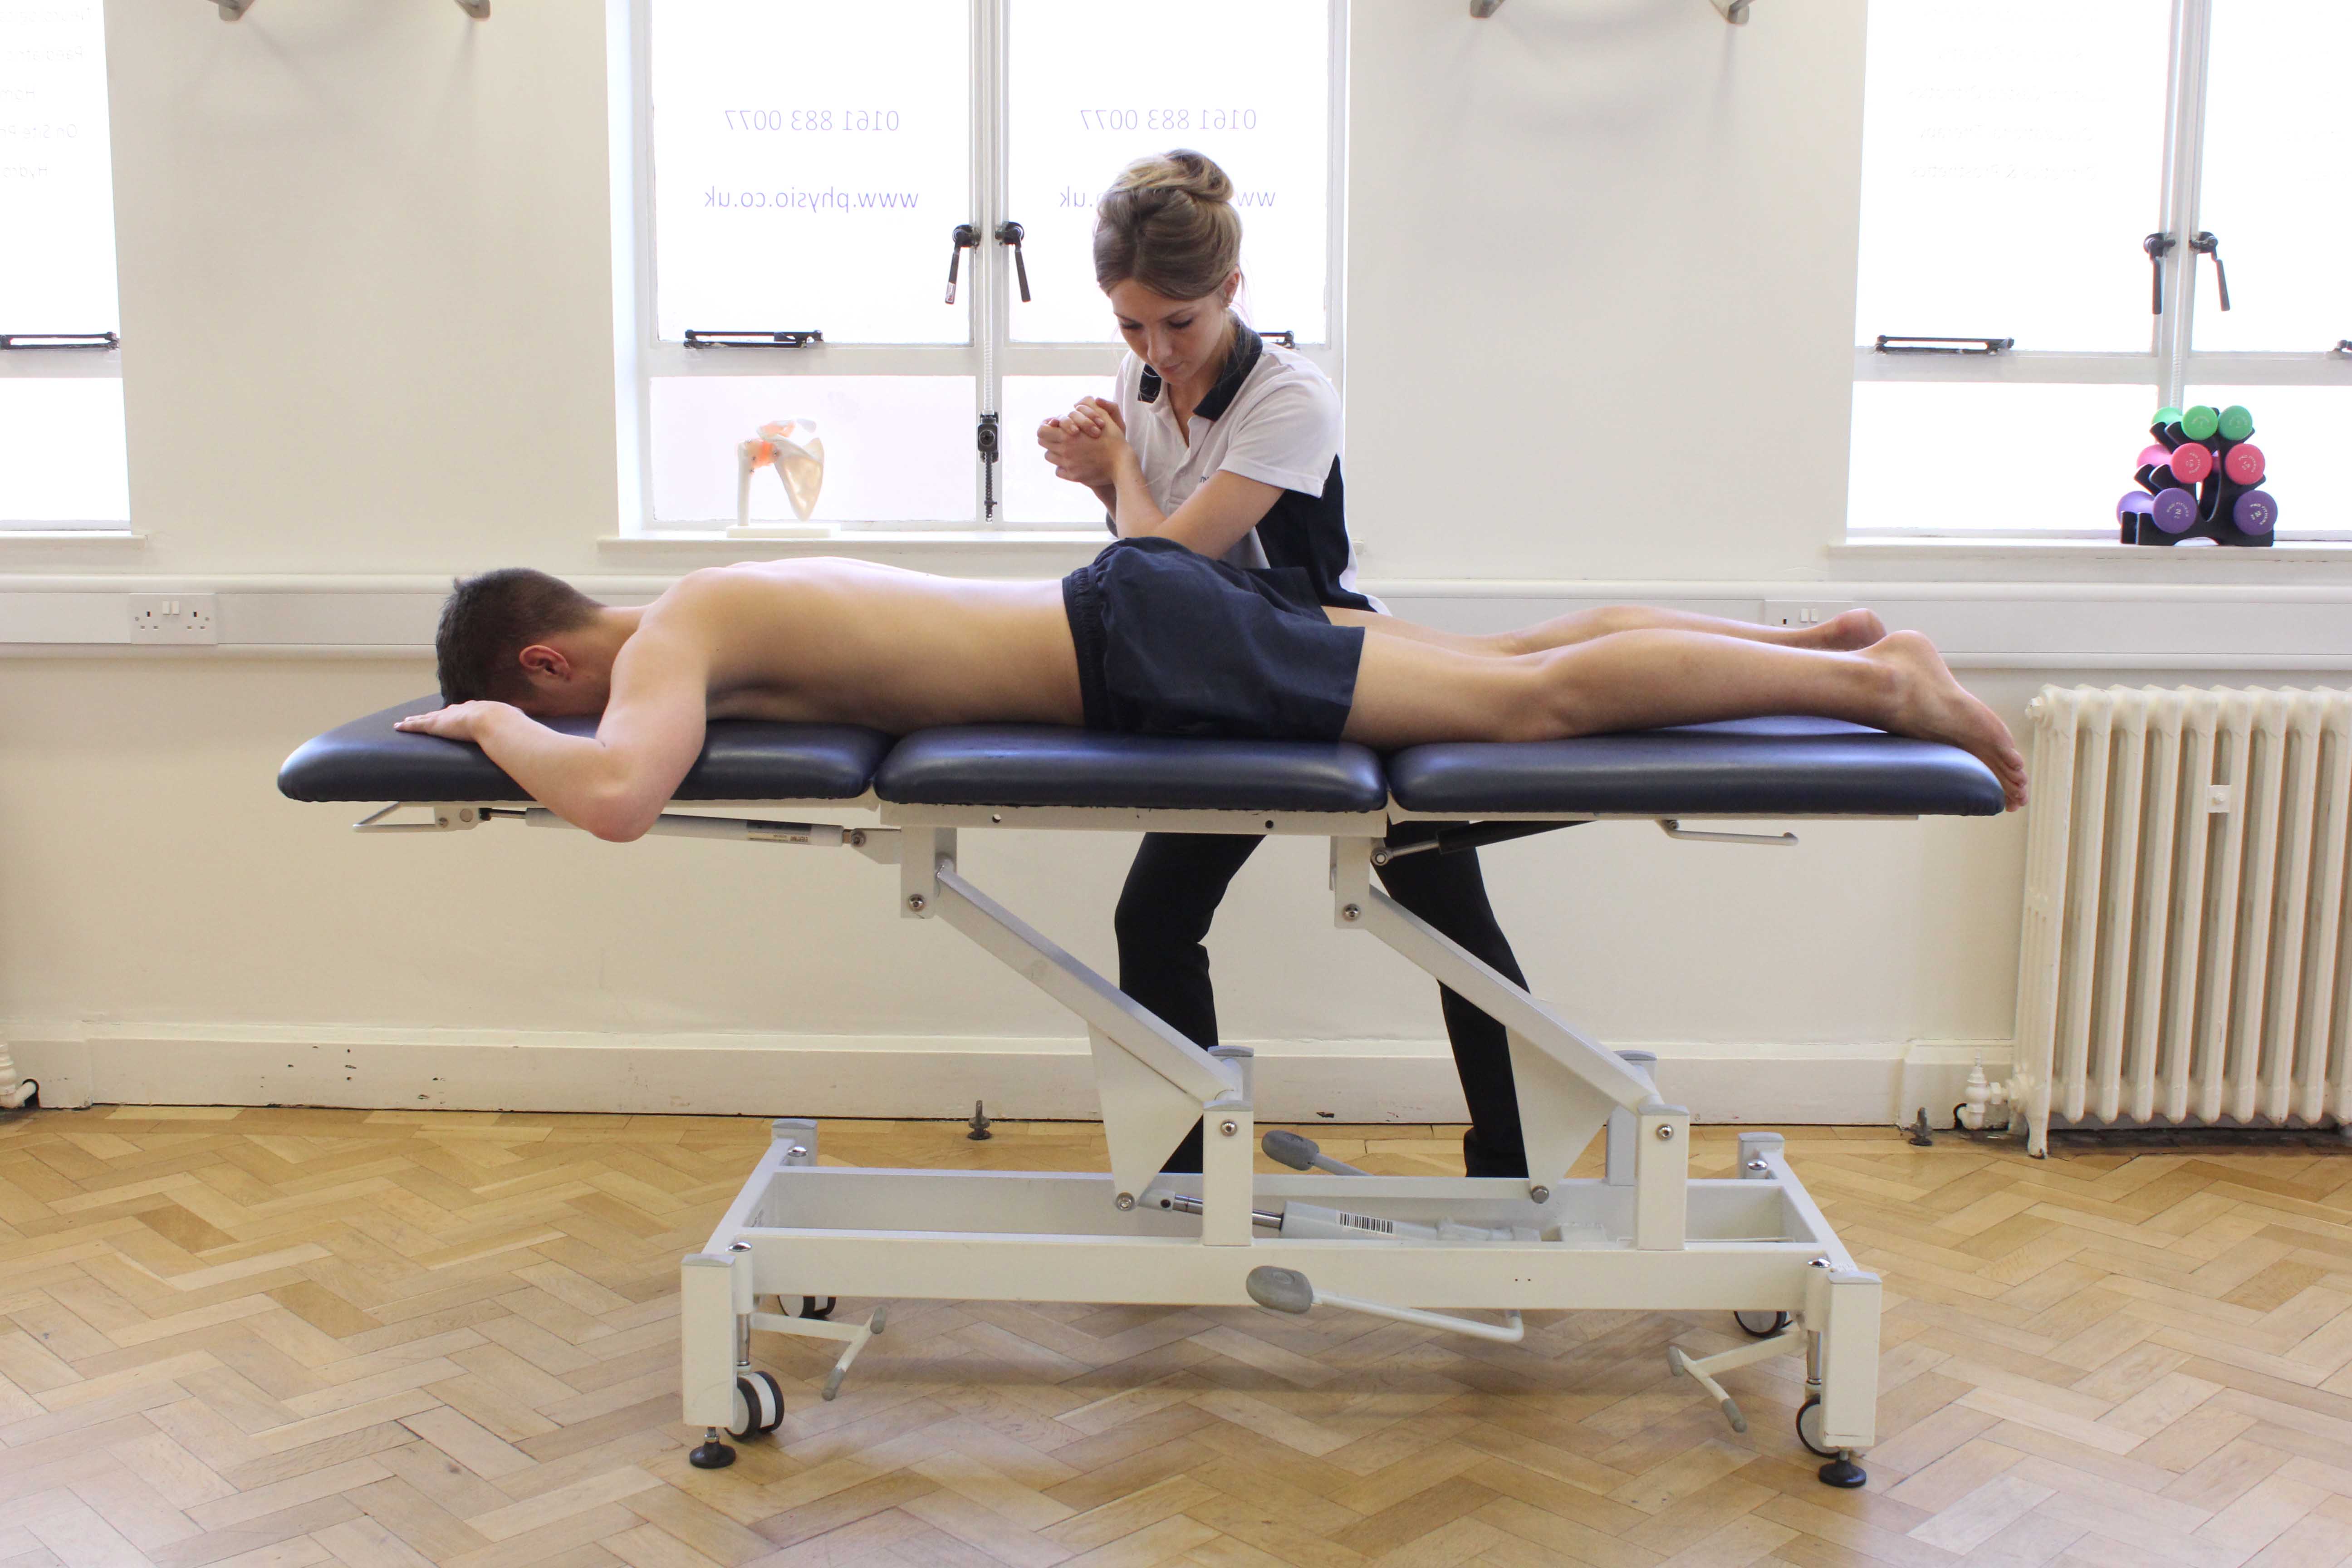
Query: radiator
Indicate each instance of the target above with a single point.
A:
(2183, 957)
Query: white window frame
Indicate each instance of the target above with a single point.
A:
(2170, 365)
(59, 365)
(986, 281)
(43, 363)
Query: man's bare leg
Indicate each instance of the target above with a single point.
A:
(1409, 691)
(1853, 629)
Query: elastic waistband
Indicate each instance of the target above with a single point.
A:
(1082, 602)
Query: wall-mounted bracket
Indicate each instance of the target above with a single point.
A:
(235, 10)
(1734, 11)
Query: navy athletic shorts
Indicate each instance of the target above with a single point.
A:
(1172, 643)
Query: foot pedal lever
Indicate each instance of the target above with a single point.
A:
(856, 1335)
(1288, 1290)
(1304, 1154)
(1701, 1369)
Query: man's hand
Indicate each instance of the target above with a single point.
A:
(458, 721)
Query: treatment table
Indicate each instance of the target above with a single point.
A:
(1425, 1250)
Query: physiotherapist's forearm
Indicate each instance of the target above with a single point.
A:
(574, 776)
(1131, 504)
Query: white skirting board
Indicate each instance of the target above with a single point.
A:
(873, 1076)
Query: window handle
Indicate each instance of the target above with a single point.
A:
(1012, 234)
(966, 238)
(59, 341)
(2206, 243)
(2158, 247)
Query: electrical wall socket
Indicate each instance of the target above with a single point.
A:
(174, 618)
(1804, 611)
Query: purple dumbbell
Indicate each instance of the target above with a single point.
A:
(2254, 512)
(2129, 512)
(2174, 510)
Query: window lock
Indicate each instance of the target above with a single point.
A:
(986, 440)
(2158, 247)
(1012, 234)
(964, 238)
(1903, 343)
(2205, 242)
(700, 338)
(1285, 337)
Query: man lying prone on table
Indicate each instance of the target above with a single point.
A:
(1148, 639)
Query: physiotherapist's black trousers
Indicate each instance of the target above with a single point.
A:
(1172, 892)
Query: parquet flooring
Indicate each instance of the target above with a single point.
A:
(290, 1337)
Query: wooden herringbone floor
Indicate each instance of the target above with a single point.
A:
(295, 1337)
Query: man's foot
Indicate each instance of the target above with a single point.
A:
(1848, 632)
(1931, 705)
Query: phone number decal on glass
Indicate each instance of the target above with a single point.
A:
(811, 118)
(1167, 119)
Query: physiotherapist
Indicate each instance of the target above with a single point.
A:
(1230, 445)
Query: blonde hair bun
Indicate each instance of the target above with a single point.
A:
(1169, 223)
(1190, 173)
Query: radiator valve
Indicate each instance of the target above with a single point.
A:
(1985, 1104)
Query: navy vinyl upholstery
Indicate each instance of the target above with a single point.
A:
(368, 760)
(1029, 764)
(1752, 767)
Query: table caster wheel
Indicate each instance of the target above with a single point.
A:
(712, 1455)
(759, 1405)
(1773, 1323)
(1809, 1430)
(809, 1308)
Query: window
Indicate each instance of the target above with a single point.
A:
(62, 463)
(805, 169)
(2014, 155)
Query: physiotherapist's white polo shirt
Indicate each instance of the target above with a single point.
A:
(1271, 417)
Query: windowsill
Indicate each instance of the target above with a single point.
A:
(1948, 544)
(48, 542)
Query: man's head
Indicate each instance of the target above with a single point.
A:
(522, 636)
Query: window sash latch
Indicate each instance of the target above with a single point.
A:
(987, 439)
(705, 338)
(100, 341)
(1906, 343)
(1285, 337)
(2205, 242)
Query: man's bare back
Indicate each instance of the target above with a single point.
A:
(848, 642)
(845, 641)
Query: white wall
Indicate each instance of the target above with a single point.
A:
(1600, 272)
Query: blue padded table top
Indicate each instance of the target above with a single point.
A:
(1755, 767)
(1036, 764)
(1752, 767)
(368, 760)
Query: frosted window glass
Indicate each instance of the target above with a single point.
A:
(56, 184)
(2013, 160)
(2064, 454)
(1094, 86)
(811, 160)
(61, 452)
(2276, 174)
(898, 448)
(1031, 494)
(2306, 435)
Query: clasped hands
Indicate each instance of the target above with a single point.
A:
(1087, 444)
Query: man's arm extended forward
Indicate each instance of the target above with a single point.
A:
(614, 784)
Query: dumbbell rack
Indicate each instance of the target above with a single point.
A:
(2201, 480)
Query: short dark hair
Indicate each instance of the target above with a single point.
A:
(489, 620)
